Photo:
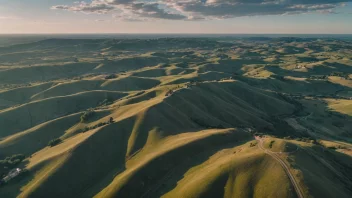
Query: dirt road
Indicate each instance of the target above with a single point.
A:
(284, 165)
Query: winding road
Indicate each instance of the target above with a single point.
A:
(283, 164)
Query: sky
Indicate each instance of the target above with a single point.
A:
(176, 16)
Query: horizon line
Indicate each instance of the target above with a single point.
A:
(177, 33)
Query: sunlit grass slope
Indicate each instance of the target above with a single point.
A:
(177, 117)
(26, 116)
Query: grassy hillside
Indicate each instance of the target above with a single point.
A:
(177, 117)
(234, 172)
(31, 114)
(36, 138)
(21, 95)
(44, 73)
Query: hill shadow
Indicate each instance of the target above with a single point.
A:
(171, 166)
(284, 85)
(193, 161)
(325, 69)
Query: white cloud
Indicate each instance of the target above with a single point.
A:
(139, 10)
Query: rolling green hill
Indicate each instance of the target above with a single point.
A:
(176, 118)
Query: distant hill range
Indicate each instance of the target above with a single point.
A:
(182, 116)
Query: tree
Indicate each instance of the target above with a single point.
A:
(271, 144)
(86, 115)
(54, 142)
(111, 76)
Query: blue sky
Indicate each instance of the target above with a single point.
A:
(176, 16)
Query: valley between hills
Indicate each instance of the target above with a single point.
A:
(177, 117)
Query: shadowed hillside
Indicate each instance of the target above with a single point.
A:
(176, 117)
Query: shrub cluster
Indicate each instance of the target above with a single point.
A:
(111, 76)
(302, 139)
(340, 74)
(271, 143)
(86, 115)
(307, 139)
(253, 144)
(259, 134)
(336, 147)
(9, 163)
(169, 93)
(318, 77)
(111, 120)
(54, 142)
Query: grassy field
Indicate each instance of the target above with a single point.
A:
(176, 117)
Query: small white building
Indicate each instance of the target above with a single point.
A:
(12, 174)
